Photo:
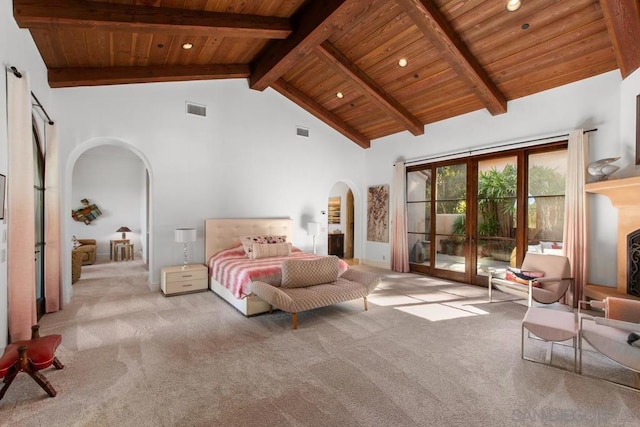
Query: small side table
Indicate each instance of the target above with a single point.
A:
(113, 255)
(177, 280)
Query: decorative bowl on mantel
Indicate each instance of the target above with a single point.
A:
(603, 168)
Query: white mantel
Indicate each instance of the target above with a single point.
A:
(624, 195)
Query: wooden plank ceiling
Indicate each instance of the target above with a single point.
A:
(339, 59)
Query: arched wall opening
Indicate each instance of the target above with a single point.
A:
(68, 205)
(350, 223)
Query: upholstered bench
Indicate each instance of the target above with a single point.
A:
(309, 284)
(30, 356)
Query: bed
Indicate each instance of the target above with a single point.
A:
(222, 239)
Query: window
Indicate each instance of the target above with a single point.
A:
(469, 219)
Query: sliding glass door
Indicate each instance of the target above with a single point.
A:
(436, 218)
(469, 217)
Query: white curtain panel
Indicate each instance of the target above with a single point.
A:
(52, 278)
(399, 244)
(20, 210)
(575, 213)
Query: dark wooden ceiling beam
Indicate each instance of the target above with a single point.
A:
(314, 24)
(305, 102)
(145, 19)
(428, 18)
(337, 60)
(70, 77)
(623, 24)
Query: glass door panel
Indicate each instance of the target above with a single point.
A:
(547, 173)
(419, 219)
(496, 213)
(450, 222)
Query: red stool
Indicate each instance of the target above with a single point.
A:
(30, 356)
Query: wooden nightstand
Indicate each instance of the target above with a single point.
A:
(177, 281)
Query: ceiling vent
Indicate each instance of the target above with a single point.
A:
(303, 132)
(196, 109)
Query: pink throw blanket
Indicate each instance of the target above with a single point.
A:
(233, 270)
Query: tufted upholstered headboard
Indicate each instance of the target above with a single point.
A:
(224, 233)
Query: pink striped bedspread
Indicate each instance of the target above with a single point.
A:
(233, 270)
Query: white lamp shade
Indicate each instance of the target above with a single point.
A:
(313, 228)
(184, 235)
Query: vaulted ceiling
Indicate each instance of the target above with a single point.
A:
(339, 59)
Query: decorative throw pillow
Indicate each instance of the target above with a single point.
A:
(248, 241)
(300, 273)
(75, 242)
(520, 276)
(267, 250)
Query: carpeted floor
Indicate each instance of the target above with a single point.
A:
(427, 353)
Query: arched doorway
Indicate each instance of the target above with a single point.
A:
(343, 228)
(107, 145)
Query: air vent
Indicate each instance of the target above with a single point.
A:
(303, 132)
(196, 109)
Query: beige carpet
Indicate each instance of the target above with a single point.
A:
(427, 353)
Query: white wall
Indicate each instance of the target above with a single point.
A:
(112, 178)
(16, 49)
(243, 160)
(591, 103)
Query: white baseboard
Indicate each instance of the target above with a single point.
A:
(380, 264)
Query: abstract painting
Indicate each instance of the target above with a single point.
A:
(378, 214)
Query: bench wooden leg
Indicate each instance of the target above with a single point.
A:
(8, 379)
(294, 320)
(366, 304)
(37, 376)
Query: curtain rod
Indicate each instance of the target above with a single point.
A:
(38, 104)
(422, 159)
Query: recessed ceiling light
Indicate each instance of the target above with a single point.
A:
(340, 95)
(513, 5)
(403, 62)
(187, 46)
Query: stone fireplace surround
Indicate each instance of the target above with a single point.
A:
(624, 195)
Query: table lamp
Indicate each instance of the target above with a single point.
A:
(124, 229)
(185, 235)
(313, 229)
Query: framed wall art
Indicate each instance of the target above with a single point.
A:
(334, 210)
(378, 214)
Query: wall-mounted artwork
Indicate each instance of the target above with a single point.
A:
(334, 210)
(87, 213)
(378, 214)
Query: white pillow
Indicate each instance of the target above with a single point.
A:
(75, 242)
(268, 250)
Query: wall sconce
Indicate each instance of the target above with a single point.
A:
(124, 230)
(313, 229)
(184, 236)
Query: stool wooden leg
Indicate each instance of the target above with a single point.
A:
(294, 320)
(8, 379)
(57, 363)
(37, 376)
(366, 304)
